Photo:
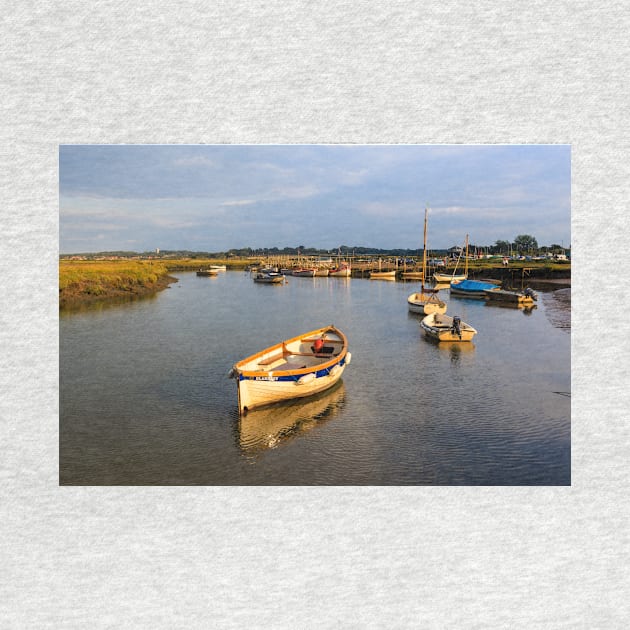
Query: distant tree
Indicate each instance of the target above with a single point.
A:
(525, 243)
(501, 247)
(556, 249)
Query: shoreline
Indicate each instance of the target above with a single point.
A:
(85, 293)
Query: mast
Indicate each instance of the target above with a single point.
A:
(466, 261)
(424, 250)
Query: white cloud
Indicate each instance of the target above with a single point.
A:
(238, 202)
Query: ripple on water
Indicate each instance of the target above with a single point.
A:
(558, 308)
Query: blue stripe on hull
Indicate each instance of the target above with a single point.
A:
(296, 377)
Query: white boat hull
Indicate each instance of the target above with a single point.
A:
(425, 304)
(448, 277)
(258, 393)
(340, 273)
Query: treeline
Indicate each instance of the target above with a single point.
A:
(522, 244)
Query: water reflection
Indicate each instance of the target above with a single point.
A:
(442, 285)
(526, 309)
(456, 351)
(558, 308)
(104, 304)
(267, 428)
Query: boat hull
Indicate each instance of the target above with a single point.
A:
(449, 278)
(424, 304)
(269, 278)
(291, 369)
(441, 328)
(383, 275)
(509, 297)
(473, 289)
(340, 273)
(304, 273)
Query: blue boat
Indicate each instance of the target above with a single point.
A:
(473, 288)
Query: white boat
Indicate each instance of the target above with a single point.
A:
(295, 368)
(218, 267)
(425, 301)
(454, 278)
(269, 278)
(343, 271)
(445, 328)
(449, 277)
(304, 273)
(322, 271)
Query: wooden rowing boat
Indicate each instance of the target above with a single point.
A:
(295, 368)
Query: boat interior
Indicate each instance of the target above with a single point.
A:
(297, 355)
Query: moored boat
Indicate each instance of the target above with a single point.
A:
(207, 272)
(445, 328)
(304, 273)
(218, 267)
(322, 271)
(383, 275)
(343, 271)
(426, 300)
(295, 368)
(449, 278)
(271, 277)
(473, 288)
(455, 278)
(525, 298)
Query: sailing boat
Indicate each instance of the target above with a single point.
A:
(426, 301)
(454, 278)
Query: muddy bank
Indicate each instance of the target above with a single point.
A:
(516, 276)
(87, 292)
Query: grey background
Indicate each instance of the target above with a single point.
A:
(302, 72)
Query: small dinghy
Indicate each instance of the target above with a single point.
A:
(445, 328)
(526, 297)
(271, 277)
(473, 288)
(295, 368)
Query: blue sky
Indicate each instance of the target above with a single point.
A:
(218, 197)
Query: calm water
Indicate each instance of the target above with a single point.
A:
(145, 398)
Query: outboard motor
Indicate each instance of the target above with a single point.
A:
(456, 326)
(529, 293)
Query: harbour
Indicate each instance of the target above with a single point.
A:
(146, 399)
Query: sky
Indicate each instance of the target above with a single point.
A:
(219, 197)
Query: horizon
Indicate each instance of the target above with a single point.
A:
(214, 198)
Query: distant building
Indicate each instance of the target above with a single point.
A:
(157, 250)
